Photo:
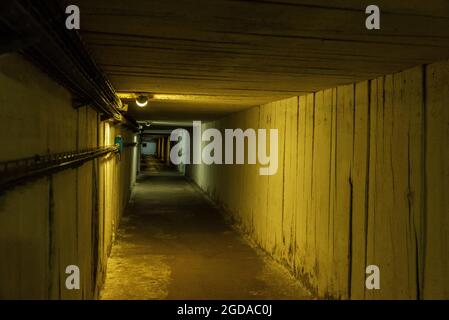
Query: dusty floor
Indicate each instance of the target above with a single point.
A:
(174, 244)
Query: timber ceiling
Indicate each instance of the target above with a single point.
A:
(220, 56)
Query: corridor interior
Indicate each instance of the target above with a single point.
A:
(174, 243)
(224, 149)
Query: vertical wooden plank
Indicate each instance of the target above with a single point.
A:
(344, 188)
(238, 169)
(332, 284)
(300, 200)
(412, 106)
(399, 146)
(310, 275)
(321, 185)
(275, 201)
(360, 189)
(252, 175)
(383, 240)
(436, 265)
(376, 110)
(290, 183)
(261, 222)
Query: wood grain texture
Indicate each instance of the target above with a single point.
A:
(231, 55)
(361, 182)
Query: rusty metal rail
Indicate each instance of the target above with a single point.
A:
(17, 172)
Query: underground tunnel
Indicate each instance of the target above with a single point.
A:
(224, 150)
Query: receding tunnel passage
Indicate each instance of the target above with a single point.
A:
(224, 149)
(175, 244)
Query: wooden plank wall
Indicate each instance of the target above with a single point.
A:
(362, 179)
(56, 221)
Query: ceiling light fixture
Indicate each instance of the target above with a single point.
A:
(142, 101)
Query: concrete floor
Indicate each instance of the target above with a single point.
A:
(174, 244)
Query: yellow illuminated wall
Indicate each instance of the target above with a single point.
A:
(363, 179)
(69, 217)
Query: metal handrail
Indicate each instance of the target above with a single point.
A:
(17, 172)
